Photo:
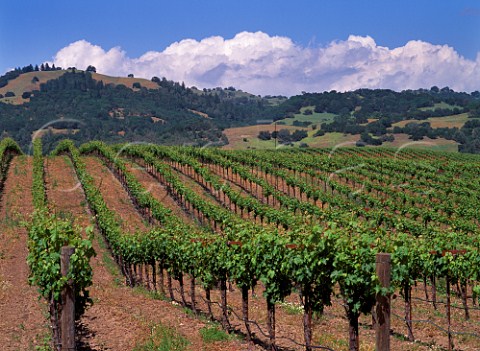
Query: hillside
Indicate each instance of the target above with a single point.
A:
(89, 105)
(26, 83)
(435, 118)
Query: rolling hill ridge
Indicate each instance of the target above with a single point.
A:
(87, 105)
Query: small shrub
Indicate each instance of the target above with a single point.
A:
(264, 135)
(163, 339)
(212, 334)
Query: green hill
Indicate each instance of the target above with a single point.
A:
(118, 109)
(435, 118)
(89, 105)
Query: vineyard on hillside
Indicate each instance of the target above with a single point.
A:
(278, 246)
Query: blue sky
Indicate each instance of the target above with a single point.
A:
(34, 32)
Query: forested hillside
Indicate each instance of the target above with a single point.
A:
(88, 109)
(375, 114)
(85, 106)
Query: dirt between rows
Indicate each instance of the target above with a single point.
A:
(120, 317)
(331, 329)
(23, 323)
(159, 192)
(115, 196)
(188, 179)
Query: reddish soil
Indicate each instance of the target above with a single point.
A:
(23, 324)
(159, 192)
(115, 196)
(185, 173)
(198, 188)
(239, 185)
(332, 328)
(120, 317)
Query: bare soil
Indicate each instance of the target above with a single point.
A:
(159, 192)
(115, 196)
(120, 317)
(331, 329)
(23, 323)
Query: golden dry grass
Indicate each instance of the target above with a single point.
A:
(24, 83)
(439, 144)
(439, 122)
(204, 115)
(246, 137)
(236, 136)
(42, 132)
(128, 82)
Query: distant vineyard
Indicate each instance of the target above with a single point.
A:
(297, 222)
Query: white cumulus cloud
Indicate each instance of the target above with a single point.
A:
(264, 64)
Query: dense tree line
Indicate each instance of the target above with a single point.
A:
(283, 135)
(353, 109)
(376, 103)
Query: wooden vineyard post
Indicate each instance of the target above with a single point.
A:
(448, 280)
(67, 314)
(449, 323)
(382, 308)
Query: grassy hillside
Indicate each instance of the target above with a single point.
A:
(124, 109)
(442, 105)
(247, 137)
(127, 81)
(243, 138)
(315, 117)
(25, 82)
(111, 109)
(439, 122)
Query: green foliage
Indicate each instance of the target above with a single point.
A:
(264, 135)
(47, 234)
(102, 111)
(272, 266)
(302, 245)
(163, 338)
(38, 189)
(116, 113)
(213, 334)
(311, 264)
(8, 147)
